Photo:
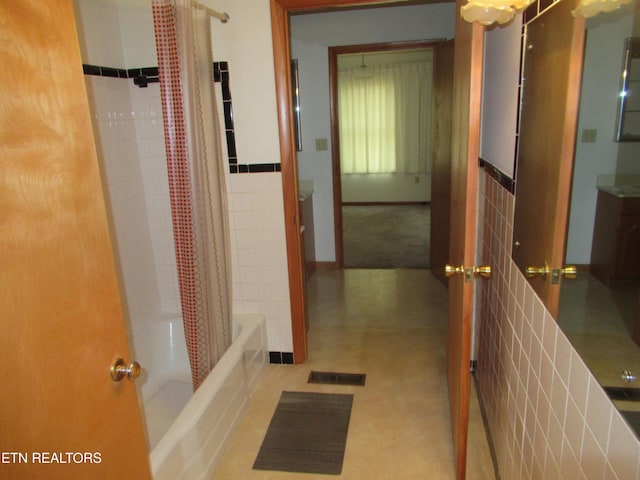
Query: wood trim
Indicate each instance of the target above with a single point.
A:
(369, 204)
(384, 47)
(326, 266)
(296, 6)
(281, 56)
(335, 156)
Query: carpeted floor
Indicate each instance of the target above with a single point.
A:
(386, 236)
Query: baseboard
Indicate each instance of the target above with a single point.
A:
(370, 204)
(326, 266)
(487, 430)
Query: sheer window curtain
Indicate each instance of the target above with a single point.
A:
(385, 118)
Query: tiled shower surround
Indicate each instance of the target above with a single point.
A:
(547, 416)
(130, 139)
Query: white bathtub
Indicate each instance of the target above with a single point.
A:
(196, 439)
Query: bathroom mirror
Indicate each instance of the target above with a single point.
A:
(629, 99)
(551, 69)
(598, 319)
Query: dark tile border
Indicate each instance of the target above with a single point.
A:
(281, 358)
(502, 178)
(145, 75)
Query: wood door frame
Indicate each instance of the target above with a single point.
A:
(280, 11)
(335, 119)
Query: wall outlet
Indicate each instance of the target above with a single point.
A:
(322, 144)
(589, 135)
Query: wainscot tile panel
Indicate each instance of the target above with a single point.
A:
(547, 416)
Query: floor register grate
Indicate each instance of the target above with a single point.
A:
(333, 378)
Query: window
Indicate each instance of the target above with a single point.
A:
(385, 118)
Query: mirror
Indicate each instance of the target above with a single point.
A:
(629, 99)
(551, 70)
(599, 310)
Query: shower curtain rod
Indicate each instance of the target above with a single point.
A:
(223, 17)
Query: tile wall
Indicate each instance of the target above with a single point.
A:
(547, 416)
(128, 122)
(116, 123)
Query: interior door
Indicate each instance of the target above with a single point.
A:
(62, 324)
(467, 86)
(550, 99)
(441, 161)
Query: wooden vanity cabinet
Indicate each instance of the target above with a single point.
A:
(615, 253)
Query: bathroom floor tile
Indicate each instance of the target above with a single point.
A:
(391, 325)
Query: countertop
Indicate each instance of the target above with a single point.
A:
(621, 190)
(304, 194)
(620, 185)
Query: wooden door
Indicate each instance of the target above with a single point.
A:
(550, 98)
(61, 415)
(467, 89)
(441, 160)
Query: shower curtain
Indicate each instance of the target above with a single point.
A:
(196, 179)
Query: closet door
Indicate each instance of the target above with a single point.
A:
(62, 324)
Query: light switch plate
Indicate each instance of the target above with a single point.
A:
(589, 135)
(322, 144)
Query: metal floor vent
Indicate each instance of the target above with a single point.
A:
(623, 393)
(333, 378)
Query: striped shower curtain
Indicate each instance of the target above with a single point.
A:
(196, 180)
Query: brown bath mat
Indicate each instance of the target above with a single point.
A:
(333, 378)
(307, 434)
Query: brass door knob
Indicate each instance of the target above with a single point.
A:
(538, 271)
(451, 270)
(120, 369)
(483, 271)
(570, 271)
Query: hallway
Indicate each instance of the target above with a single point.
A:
(391, 325)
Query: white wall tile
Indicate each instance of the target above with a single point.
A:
(259, 239)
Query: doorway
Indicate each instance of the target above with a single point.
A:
(466, 88)
(381, 201)
(311, 35)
